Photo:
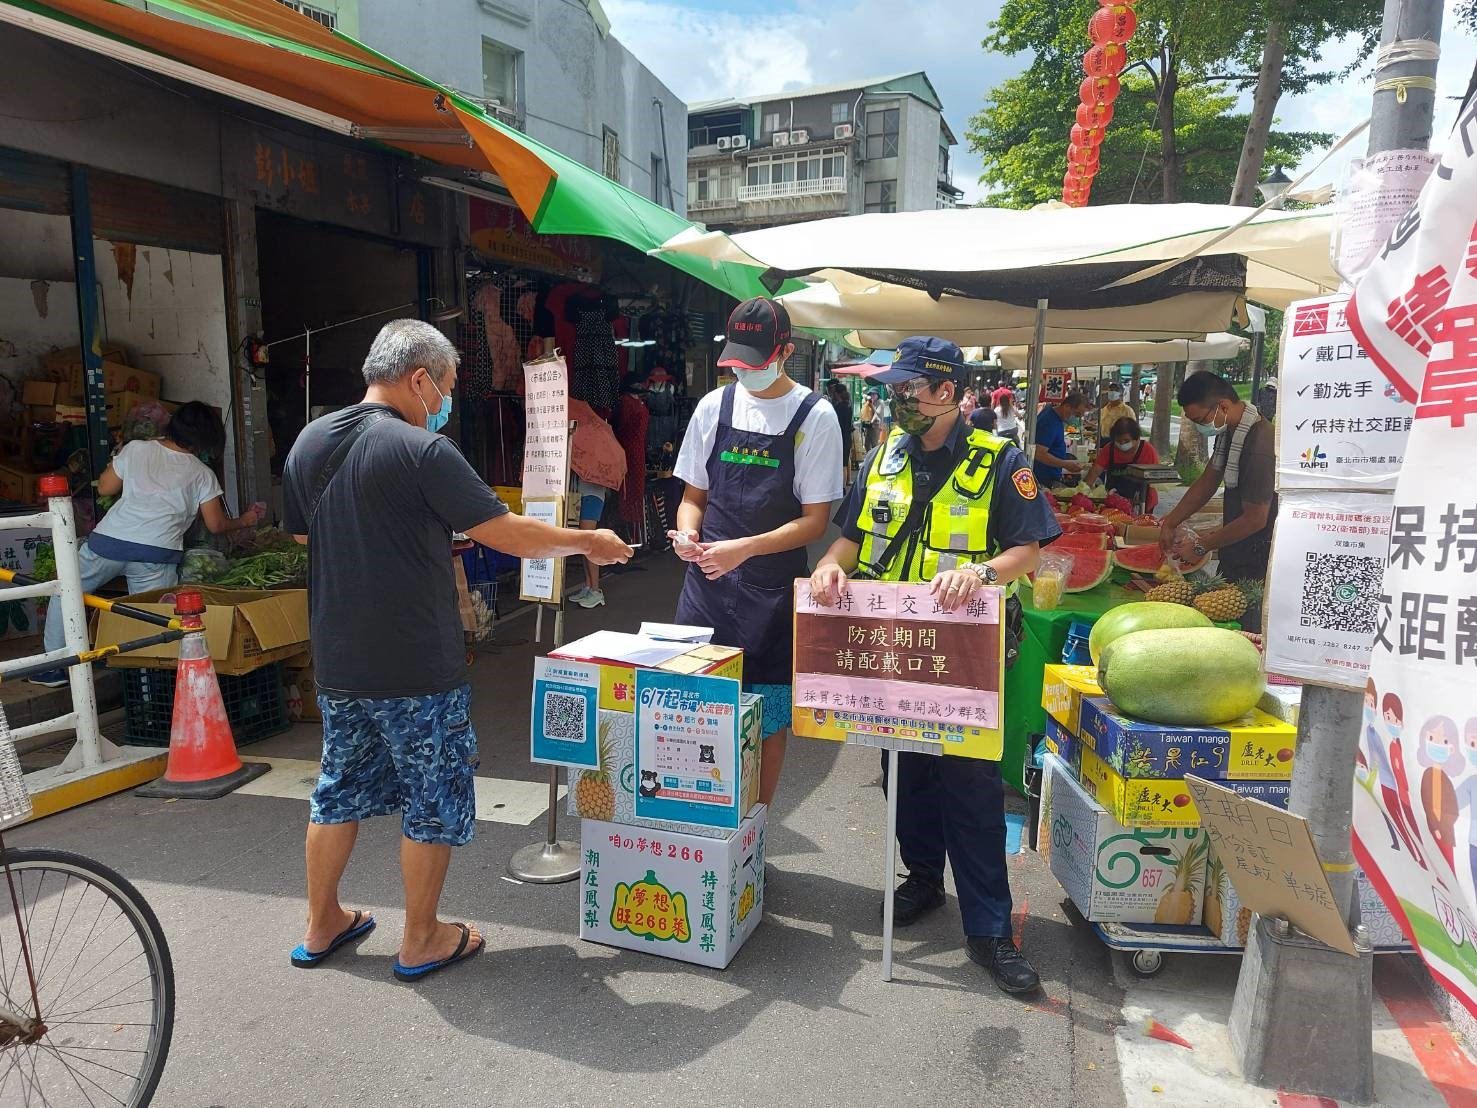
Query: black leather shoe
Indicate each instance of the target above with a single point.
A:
(1007, 965)
(914, 899)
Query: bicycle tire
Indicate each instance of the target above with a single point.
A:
(136, 909)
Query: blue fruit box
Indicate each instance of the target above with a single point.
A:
(1256, 747)
(1064, 744)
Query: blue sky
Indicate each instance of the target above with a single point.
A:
(709, 48)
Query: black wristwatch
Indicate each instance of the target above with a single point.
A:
(985, 572)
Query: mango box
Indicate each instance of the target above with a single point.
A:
(1282, 702)
(1255, 747)
(1161, 802)
(1062, 691)
(609, 794)
(618, 682)
(1064, 744)
(887, 732)
(1111, 872)
(676, 896)
(245, 629)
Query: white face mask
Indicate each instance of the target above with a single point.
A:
(757, 380)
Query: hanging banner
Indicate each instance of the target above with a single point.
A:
(1415, 800)
(546, 437)
(1340, 424)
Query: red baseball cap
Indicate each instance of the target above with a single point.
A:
(757, 333)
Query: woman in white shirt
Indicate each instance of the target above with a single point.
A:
(161, 485)
(1007, 420)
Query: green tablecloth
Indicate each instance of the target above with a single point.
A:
(1041, 645)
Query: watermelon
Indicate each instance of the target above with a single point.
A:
(1080, 540)
(1092, 522)
(1145, 615)
(1140, 559)
(1090, 568)
(1182, 676)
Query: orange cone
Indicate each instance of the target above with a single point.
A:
(203, 764)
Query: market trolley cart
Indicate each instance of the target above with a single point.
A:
(1146, 944)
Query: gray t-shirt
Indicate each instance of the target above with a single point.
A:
(381, 592)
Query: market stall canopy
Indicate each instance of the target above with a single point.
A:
(1078, 258)
(1069, 355)
(263, 52)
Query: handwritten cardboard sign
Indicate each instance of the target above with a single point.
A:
(1270, 859)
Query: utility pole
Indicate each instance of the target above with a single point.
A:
(1301, 1020)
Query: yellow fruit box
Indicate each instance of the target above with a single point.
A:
(1255, 747)
(1161, 802)
(1062, 691)
(618, 680)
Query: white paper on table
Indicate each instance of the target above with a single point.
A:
(677, 632)
(619, 646)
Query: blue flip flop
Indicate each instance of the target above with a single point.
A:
(303, 958)
(461, 953)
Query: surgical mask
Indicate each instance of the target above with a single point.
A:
(757, 380)
(1211, 428)
(1127, 445)
(1472, 755)
(442, 415)
(1438, 753)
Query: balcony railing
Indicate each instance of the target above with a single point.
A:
(710, 202)
(778, 190)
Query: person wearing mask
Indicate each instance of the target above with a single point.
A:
(1052, 457)
(1126, 447)
(841, 400)
(1111, 413)
(762, 465)
(932, 466)
(968, 404)
(162, 485)
(1244, 459)
(1007, 419)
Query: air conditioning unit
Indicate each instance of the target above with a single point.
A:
(843, 131)
(725, 143)
(740, 142)
(781, 138)
(799, 138)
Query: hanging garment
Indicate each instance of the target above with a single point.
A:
(592, 367)
(631, 419)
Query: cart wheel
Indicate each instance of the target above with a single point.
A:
(1146, 963)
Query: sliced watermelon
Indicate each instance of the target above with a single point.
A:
(1093, 523)
(1140, 559)
(1090, 568)
(1080, 540)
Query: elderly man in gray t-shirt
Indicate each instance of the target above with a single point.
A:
(377, 495)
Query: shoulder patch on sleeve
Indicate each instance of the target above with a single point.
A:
(1025, 483)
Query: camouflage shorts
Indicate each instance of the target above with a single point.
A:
(410, 754)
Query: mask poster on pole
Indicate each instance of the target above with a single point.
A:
(546, 436)
(1415, 794)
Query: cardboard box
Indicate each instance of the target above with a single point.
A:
(1282, 702)
(56, 364)
(38, 393)
(1225, 917)
(1158, 801)
(1113, 873)
(1062, 691)
(20, 485)
(618, 682)
(302, 689)
(117, 377)
(1254, 748)
(1064, 744)
(121, 403)
(610, 796)
(676, 896)
(244, 629)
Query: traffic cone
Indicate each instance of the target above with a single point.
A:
(203, 764)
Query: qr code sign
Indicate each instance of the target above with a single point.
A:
(1341, 592)
(564, 716)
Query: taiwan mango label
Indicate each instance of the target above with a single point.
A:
(649, 910)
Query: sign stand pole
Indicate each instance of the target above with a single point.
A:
(889, 875)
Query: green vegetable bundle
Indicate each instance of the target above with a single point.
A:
(273, 569)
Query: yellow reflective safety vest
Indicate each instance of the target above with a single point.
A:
(955, 527)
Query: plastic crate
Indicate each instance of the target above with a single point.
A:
(256, 705)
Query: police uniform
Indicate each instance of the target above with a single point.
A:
(915, 514)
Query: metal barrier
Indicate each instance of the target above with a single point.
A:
(94, 767)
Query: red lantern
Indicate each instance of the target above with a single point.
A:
(1083, 157)
(1115, 3)
(1100, 90)
(1094, 115)
(1086, 136)
(1114, 24)
(1105, 61)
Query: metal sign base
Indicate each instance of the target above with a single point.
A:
(546, 863)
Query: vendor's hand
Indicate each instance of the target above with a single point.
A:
(1166, 536)
(827, 584)
(725, 556)
(953, 587)
(1072, 465)
(605, 546)
(1186, 550)
(253, 515)
(685, 545)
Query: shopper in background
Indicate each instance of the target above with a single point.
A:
(376, 493)
(1052, 456)
(1111, 412)
(841, 401)
(872, 417)
(592, 507)
(162, 485)
(968, 404)
(983, 418)
(1007, 418)
(762, 463)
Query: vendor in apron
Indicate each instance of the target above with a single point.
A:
(761, 460)
(1126, 447)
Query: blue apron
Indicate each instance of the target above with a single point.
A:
(751, 490)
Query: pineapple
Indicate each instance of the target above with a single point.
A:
(1177, 905)
(594, 796)
(1221, 601)
(1176, 591)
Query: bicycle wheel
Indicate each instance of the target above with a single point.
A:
(103, 978)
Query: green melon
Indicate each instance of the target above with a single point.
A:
(1182, 676)
(1146, 615)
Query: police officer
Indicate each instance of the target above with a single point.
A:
(958, 507)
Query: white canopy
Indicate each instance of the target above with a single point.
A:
(1067, 355)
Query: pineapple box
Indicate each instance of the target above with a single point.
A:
(1115, 874)
(609, 792)
(1159, 801)
(676, 896)
(1255, 747)
(1063, 689)
(617, 681)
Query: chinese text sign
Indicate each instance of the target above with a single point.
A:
(546, 440)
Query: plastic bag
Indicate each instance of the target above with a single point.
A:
(201, 565)
(147, 419)
(1049, 584)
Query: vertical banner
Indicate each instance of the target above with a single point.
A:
(1415, 797)
(546, 436)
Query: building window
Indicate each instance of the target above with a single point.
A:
(658, 175)
(610, 154)
(813, 173)
(943, 163)
(882, 133)
(712, 186)
(881, 196)
(500, 75)
(771, 123)
(841, 113)
(317, 15)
